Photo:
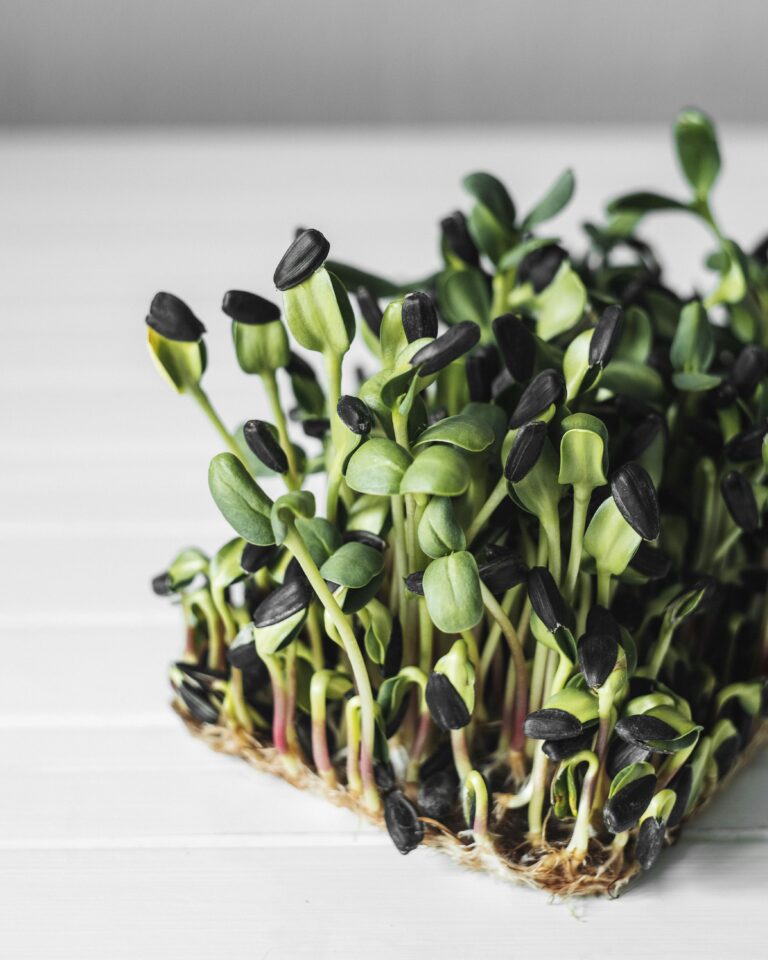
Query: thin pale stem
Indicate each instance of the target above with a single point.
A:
(296, 546)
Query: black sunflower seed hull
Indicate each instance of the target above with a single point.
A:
(445, 704)
(438, 794)
(162, 584)
(449, 346)
(597, 657)
(546, 388)
(402, 822)
(419, 316)
(242, 652)
(171, 318)
(262, 443)
(366, 537)
(517, 346)
(355, 415)
(749, 369)
(457, 239)
(643, 730)
(414, 583)
(481, 369)
(740, 500)
(650, 840)
(558, 750)
(502, 574)
(307, 253)
(525, 451)
(622, 811)
(635, 495)
(622, 753)
(600, 620)
(369, 309)
(606, 336)
(316, 427)
(651, 562)
(249, 308)
(552, 724)
(283, 602)
(540, 266)
(198, 704)
(253, 557)
(747, 445)
(546, 599)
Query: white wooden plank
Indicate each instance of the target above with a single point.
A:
(346, 902)
(107, 783)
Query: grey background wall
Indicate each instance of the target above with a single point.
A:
(352, 61)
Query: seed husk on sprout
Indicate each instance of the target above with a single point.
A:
(527, 622)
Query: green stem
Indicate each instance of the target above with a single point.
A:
(541, 765)
(604, 587)
(521, 668)
(580, 837)
(495, 499)
(273, 395)
(207, 407)
(660, 651)
(296, 546)
(461, 754)
(579, 521)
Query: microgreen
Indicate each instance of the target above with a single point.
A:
(539, 562)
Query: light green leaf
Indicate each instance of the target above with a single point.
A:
(353, 565)
(437, 471)
(378, 467)
(560, 306)
(452, 592)
(439, 531)
(463, 430)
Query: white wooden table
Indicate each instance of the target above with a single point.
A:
(119, 835)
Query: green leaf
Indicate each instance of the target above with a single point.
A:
(452, 592)
(636, 337)
(695, 382)
(576, 369)
(560, 640)
(316, 317)
(271, 639)
(633, 379)
(557, 197)
(439, 531)
(610, 539)
(560, 306)
(180, 362)
(693, 346)
(225, 566)
(539, 492)
(299, 503)
(380, 287)
(378, 624)
(643, 202)
(437, 471)
(242, 502)
(467, 296)
(261, 347)
(488, 235)
(733, 285)
(185, 566)
(464, 431)
(583, 451)
(353, 565)
(697, 150)
(491, 193)
(391, 332)
(320, 537)
(378, 467)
